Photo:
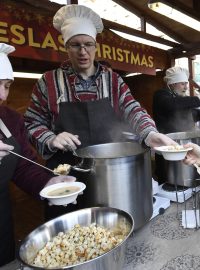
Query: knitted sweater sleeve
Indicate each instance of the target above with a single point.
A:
(39, 117)
(137, 117)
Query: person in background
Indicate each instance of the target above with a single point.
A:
(24, 174)
(173, 111)
(83, 102)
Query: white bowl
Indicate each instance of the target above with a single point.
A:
(172, 154)
(62, 199)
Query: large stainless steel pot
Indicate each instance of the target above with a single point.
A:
(104, 216)
(176, 172)
(120, 177)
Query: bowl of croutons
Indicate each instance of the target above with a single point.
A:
(88, 239)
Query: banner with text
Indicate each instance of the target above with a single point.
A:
(31, 32)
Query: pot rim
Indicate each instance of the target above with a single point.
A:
(90, 152)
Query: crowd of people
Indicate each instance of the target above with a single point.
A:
(81, 103)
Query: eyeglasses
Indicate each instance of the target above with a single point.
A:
(88, 46)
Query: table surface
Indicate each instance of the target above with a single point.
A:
(162, 244)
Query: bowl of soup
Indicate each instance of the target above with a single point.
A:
(173, 152)
(62, 193)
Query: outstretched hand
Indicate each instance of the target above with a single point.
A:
(4, 148)
(155, 139)
(193, 156)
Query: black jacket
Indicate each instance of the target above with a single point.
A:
(173, 113)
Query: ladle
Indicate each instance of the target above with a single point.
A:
(72, 167)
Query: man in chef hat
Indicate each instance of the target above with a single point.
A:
(176, 79)
(172, 108)
(83, 103)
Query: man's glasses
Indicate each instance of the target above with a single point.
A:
(88, 46)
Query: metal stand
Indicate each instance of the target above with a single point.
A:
(194, 212)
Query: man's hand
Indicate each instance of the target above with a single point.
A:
(193, 156)
(155, 139)
(62, 141)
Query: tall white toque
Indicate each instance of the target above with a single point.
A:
(6, 71)
(72, 20)
(176, 75)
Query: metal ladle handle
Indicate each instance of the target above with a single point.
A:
(76, 168)
(30, 161)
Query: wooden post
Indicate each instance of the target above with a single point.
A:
(191, 72)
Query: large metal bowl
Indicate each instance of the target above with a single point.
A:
(104, 216)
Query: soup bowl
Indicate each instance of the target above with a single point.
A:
(173, 153)
(109, 218)
(62, 193)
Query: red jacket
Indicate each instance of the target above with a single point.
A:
(27, 176)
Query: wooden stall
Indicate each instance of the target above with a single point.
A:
(39, 47)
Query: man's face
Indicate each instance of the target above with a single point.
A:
(180, 88)
(81, 50)
(4, 89)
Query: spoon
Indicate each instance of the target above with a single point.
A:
(70, 148)
(71, 167)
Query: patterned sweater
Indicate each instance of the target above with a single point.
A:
(42, 113)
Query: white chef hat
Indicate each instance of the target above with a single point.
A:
(176, 75)
(6, 71)
(72, 20)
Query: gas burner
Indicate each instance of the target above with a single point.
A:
(176, 196)
(159, 205)
(170, 187)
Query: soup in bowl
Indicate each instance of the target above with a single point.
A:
(62, 193)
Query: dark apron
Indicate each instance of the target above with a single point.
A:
(95, 122)
(7, 169)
